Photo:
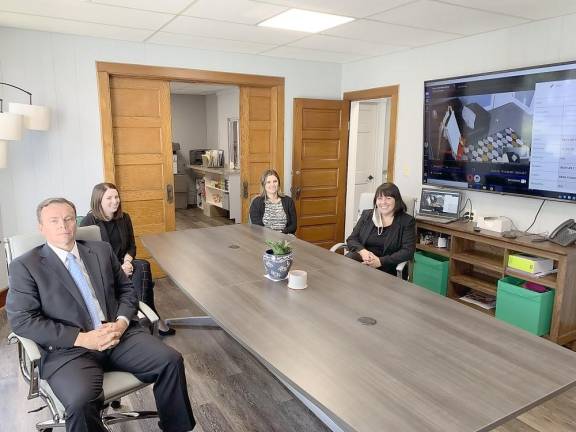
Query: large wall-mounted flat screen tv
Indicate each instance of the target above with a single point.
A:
(506, 132)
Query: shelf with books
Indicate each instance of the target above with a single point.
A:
(216, 188)
(478, 260)
(475, 283)
(490, 312)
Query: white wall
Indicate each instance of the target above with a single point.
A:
(60, 71)
(543, 42)
(228, 107)
(212, 121)
(188, 122)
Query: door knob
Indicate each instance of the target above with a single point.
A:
(370, 177)
(169, 193)
(297, 192)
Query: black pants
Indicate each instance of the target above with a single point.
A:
(142, 281)
(78, 384)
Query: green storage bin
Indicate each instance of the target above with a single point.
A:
(529, 310)
(431, 272)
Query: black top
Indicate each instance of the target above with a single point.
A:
(118, 232)
(374, 241)
(257, 213)
(396, 244)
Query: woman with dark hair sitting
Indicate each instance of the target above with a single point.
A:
(384, 236)
(116, 229)
(272, 208)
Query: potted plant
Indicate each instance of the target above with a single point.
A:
(278, 259)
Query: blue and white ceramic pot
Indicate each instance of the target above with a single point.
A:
(277, 266)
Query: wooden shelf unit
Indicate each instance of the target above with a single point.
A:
(478, 259)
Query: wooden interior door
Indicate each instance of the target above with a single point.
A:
(261, 141)
(138, 154)
(319, 169)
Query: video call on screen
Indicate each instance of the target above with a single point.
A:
(511, 132)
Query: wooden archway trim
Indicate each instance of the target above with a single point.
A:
(379, 93)
(188, 75)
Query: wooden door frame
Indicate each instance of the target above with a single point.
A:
(106, 70)
(380, 93)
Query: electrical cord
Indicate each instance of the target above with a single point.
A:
(468, 216)
(535, 217)
(525, 232)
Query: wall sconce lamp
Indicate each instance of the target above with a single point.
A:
(34, 117)
(19, 116)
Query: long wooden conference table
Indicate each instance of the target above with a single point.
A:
(428, 364)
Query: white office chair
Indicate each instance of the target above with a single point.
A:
(116, 384)
(367, 202)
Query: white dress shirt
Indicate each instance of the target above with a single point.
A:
(63, 255)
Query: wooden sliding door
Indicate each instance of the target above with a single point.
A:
(138, 155)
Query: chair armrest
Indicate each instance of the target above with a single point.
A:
(150, 315)
(148, 312)
(400, 269)
(30, 347)
(337, 247)
(28, 357)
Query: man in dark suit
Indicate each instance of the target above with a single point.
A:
(73, 299)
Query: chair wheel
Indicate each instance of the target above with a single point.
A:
(115, 404)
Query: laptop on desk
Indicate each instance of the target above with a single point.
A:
(438, 206)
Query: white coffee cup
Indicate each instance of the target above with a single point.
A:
(297, 279)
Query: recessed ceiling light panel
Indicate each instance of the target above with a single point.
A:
(305, 21)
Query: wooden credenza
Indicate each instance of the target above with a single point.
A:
(478, 259)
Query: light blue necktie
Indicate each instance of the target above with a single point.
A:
(82, 284)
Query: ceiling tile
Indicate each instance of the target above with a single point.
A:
(223, 30)
(351, 8)
(336, 44)
(54, 25)
(313, 55)
(531, 9)
(166, 6)
(391, 34)
(432, 15)
(238, 11)
(87, 12)
(204, 43)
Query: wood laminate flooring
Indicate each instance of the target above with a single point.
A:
(229, 389)
(194, 217)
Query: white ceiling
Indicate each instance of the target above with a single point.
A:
(197, 89)
(381, 26)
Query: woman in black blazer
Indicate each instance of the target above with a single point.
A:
(272, 208)
(116, 229)
(384, 236)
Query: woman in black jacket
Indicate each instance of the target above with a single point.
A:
(272, 208)
(384, 236)
(116, 229)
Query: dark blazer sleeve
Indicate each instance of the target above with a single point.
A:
(292, 219)
(25, 312)
(130, 241)
(407, 244)
(354, 242)
(123, 289)
(257, 211)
